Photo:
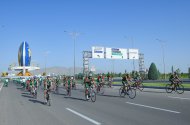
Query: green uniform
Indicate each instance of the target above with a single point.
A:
(69, 83)
(35, 82)
(88, 83)
(48, 84)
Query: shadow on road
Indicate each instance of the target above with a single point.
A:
(109, 95)
(36, 101)
(27, 96)
(75, 98)
(20, 88)
(152, 91)
(25, 93)
(59, 94)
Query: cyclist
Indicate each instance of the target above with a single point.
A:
(73, 82)
(126, 81)
(64, 81)
(47, 86)
(88, 81)
(28, 84)
(57, 82)
(31, 85)
(36, 83)
(6, 82)
(69, 85)
(100, 80)
(174, 79)
(109, 79)
(138, 79)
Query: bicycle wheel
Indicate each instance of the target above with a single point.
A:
(169, 88)
(101, 90)
(141, 87)
(35, 95)
(134, 85)
(86, 95)
(69, 92)
(93, 96)
(57, 89)
(121, 92)
(49, 102)
(131, 93)
(180, 89)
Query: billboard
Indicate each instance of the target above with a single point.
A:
(133, 54)
(97, 52)
(116, 53)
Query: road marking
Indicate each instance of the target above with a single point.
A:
(153, 107)
(83, 116)
(1, 86)
(178, 98)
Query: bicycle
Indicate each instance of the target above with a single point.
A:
(56, 88)
(138, 85)
(90, 93)
(5, 84)
(131, 92)
(34, 92)
(48, 98)
(68, 88)
(74, 86)
(108, 83)
(176, 86)
(100, 88)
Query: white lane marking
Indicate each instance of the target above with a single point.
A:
(178, 98)
(153, 107)
(85, 117)
(1, 86)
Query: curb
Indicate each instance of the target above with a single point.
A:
(154, 87)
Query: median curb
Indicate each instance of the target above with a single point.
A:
(153, 87)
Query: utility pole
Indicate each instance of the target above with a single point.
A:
(74, 36)
(163, 54)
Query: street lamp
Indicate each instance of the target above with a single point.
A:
(163, 55)
(74, 35)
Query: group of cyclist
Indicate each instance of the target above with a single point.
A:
(52, 83)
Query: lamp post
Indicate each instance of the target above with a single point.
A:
(74, 35)
(163, 55)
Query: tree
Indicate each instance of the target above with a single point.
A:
(159, 74)
(108, 74)
(189, 72)
(153, 72)
(80, 76)
(120, 74)
(133, 74)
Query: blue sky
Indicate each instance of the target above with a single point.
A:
(108, 23)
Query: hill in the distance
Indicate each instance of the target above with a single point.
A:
(61, 70)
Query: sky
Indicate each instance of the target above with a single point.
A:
(143, 24)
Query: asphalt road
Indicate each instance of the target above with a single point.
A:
(151, 107)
